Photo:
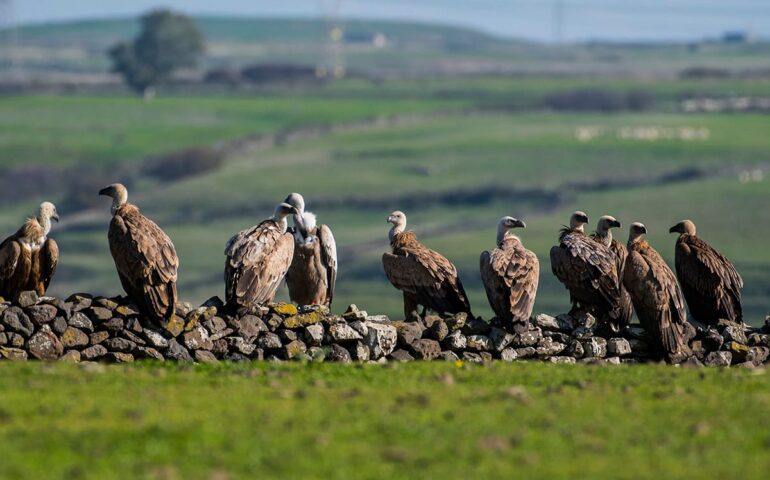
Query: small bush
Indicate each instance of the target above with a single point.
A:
(185, 163)
(591, 99)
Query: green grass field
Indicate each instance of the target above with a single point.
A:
(371, 421)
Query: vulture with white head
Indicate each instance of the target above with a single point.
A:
(424, 276)
(710, 283)
(510, 274)
(257, 261)
(144, 255)
(657, 299)
(313, 272)
(28, 258)
(603, 235)
(588, 270)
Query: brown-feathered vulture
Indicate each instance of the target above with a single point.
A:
(588, 270)
(710, 283)
(425, 277)
(144, 256)
(510, 274)
(657, 299)
(313, 272)
(257, 261)
(28, 258)
(603, 235)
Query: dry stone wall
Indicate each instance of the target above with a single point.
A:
(87, 328)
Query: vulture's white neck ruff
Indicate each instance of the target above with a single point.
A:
(396, 229)
(45, 222)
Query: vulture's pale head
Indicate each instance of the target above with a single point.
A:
(297, 201)
(48, 211)
(284, 209)
(510, 222)
(636, 232)
(118, 193)
(397, 218)
(577, 220)
(684, 227)
(505, 224)
(606, 222)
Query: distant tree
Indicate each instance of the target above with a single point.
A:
(167, 41)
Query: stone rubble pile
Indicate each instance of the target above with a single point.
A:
(86, 328)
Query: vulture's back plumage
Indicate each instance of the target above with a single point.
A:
(710, 283)
(146, 261)
(657, 300)
(623, 318)
(588, 270)
(257, 261)
(425, 276)
(510, 274)
(15, 265)
(28, 260)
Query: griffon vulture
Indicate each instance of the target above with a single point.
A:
(144, 256)
(588, 270)
(313, 271)
(603, 235)
(710, 283)
(28, 258)
(657, 298)
(257, 261)
(510, 274)
(424, 276)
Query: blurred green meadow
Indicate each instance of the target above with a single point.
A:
(452, 169)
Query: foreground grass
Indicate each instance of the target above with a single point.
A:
(403, 421)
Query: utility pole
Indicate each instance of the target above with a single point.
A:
(333, 63)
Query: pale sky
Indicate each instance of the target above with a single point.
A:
(534, 19)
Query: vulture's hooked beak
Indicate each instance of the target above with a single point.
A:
(583, 218)
(520, 224)
(390, 219)
(644, 230)
(106, 191)
(675, 229)
(615, 223)
(55, 216)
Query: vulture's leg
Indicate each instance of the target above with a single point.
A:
(410, 305)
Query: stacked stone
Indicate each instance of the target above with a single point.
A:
(87, 328)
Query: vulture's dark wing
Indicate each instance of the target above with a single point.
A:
(510, 279)
(329, 258)
(257, 261)
(588, 269)
(146, 261)
(657, 298)
(429, 277)
(709, 274)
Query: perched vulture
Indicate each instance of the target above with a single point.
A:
(603, 235)
(257, 260)
(313, 271)
(710, 283)
(510, 274)
(28, 258)
(657, 298)
(425, 277)
(144, 257)
(588, 270)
